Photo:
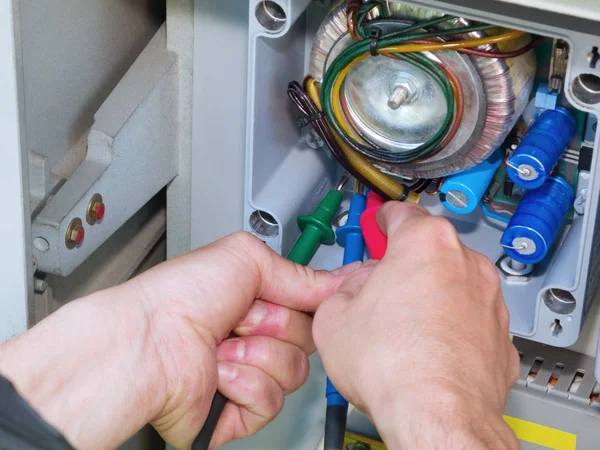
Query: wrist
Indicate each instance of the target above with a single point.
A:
(441, 418)
(89, 369)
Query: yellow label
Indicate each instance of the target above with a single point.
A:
(533, 433)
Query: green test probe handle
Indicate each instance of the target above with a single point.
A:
(316, 230)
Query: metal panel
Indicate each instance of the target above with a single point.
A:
(74, 54)
(16, 281)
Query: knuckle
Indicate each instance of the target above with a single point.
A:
(488, 271)
(390, 209)
(443, 231)
(298, 372)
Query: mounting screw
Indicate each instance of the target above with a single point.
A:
(40, 286)
(96, 210)
(75, 234)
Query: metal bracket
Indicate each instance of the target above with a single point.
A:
(131, 156)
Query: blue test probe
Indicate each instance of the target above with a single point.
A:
(351, 238)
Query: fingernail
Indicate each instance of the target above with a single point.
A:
(227, 371)
(347, 270)
(256, 315)
(232, 350)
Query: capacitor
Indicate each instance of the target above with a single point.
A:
(533, 228)
(543, 145)
(462, 193)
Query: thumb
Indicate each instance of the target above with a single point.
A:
(393, 217)
(292, 285)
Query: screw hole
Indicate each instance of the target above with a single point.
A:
(593, 57)
(560, 301)
(556, 328)
(264, 224)
(586, 88)
(271, 16)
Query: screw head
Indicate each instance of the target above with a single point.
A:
(96, 210)
(75, 234)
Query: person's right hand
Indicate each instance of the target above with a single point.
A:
(419, 341)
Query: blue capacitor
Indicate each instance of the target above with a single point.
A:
(462, 193)
(533, 228)
(543, 145)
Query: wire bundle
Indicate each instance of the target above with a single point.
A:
(307, 101)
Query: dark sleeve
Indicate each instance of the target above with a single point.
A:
(21, 427)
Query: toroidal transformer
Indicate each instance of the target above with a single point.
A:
(397, 106)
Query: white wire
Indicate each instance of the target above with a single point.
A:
(525, 172)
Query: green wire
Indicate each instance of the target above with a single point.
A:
(363, 47)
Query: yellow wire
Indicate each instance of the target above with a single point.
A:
(386, 184)
(408, 48)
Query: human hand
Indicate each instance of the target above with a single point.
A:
(155, 349)
(419, 341)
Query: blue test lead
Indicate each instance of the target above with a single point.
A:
(351, 238)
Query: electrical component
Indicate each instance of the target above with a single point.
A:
(558, 65)
(537, 220)
(541, 148)
(419, 114)
(462, 193)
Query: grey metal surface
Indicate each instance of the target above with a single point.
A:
(556, 407)
(113, 263)
(16, 280)
(74, 54)
(180, 40)
(131, 156)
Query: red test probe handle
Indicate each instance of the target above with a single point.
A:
(375, 240)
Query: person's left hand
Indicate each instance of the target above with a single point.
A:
(155, 349)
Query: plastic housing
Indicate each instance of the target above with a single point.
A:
(285, 177)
